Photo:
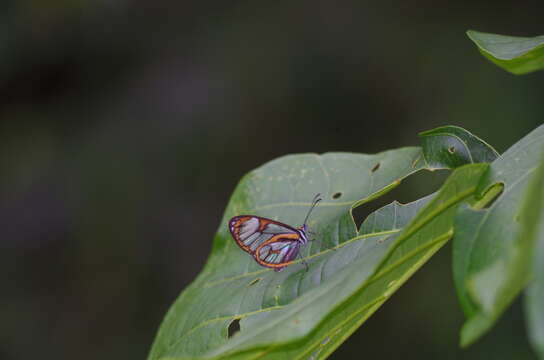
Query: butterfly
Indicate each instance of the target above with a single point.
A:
(271, 243)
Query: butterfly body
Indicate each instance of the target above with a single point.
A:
(271, 243)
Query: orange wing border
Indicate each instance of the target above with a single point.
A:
(276, 238)
(236, 221)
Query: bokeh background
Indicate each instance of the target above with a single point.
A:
(125, 126)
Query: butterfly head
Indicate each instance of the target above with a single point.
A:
(302, 232)
(304, 228)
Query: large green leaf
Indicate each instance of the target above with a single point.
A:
(533, 231)
(518, 55)
(489, 258)
(308, 313)
(409, 248)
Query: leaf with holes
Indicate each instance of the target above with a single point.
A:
(238, 310)
(489, 258)
(533, 232)
(518, 55)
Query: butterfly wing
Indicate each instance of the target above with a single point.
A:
(278, 252)
(271, 243)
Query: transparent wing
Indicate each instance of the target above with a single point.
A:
(250, 231)
(278, 252)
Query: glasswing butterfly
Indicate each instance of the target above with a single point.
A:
(271, 243)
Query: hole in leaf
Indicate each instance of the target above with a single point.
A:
(234, 328)
(451, 149)
(336, 195)
(254, 282)
(375, 168)
(490, 196)
(412, 188)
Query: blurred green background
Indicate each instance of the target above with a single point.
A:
(125, 126)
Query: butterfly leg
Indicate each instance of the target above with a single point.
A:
(303, 261)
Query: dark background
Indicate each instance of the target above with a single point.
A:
(125, 126)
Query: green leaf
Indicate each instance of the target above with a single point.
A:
(299, 313)
(410, 249)
(518, 55)
(533, 231)
(448, 147)
(489, 258)
(233, 286)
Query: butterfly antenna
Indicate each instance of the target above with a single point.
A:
(314, 203)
